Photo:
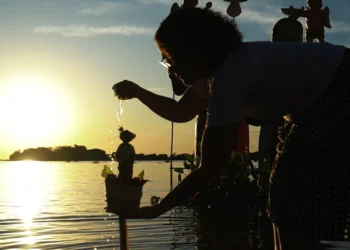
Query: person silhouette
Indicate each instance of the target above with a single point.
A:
(306, 83)
(285, 30)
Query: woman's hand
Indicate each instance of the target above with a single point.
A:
(148, 212)
(125, 90)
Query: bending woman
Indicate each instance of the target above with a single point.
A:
(308, 84)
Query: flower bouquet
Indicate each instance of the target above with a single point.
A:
(122, 195)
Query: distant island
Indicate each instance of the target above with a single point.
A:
(79, 153)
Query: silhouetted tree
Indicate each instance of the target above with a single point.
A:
(97, 155)
(15, 156)
(79, 153)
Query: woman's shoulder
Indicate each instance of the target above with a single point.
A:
(201, 88)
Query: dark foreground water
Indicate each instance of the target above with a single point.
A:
(60, 206)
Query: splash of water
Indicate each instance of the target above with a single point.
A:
(110, 148)
(119, 115)
(120, 111)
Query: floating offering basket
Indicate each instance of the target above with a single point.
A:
(122, 195)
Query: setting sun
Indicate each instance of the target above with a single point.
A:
(34, 110)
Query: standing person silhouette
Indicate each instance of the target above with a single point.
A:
(285, 30)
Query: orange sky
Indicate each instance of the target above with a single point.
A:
(59, 61)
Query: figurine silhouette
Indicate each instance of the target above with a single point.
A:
(316, 19)
(188, 4)
(234, 8)
(125, 155)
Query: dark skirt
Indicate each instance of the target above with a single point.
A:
(310, 180)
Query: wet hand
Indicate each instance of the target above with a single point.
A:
(125, 90)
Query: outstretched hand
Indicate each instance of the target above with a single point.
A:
(125, 90)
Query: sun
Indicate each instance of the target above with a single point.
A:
(34, 111)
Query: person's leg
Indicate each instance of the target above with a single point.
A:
(309, 36)
(321, 36)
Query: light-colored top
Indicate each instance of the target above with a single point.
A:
(268, 81)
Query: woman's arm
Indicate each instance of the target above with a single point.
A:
(184, 110)
(217, 146)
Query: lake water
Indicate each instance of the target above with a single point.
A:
(58, 205)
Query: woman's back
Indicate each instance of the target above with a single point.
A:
(269, 80)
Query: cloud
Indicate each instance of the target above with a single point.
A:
(264, 13)
(339, 27)
(90, 31)
(253, 16)
(105, 8)
(164, 2)
(253, 12)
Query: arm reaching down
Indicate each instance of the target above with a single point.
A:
(217, 146)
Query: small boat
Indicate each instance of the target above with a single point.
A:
(95, 162)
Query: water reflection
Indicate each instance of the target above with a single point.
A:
(27, 184)
(60, 206)
(245, 229)
(184, 228)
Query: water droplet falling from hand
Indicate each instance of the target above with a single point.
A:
(120, 112)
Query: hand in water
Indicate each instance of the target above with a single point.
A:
(125, 90)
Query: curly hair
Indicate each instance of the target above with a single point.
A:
(198, 34)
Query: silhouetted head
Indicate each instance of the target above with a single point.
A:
(194, 42)
(287, 30)
(125, 135)
(314, 4)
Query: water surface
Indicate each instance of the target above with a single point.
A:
(58, 205)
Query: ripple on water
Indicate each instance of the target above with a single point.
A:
(68, 214)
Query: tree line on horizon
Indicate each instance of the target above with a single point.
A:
(79, 153)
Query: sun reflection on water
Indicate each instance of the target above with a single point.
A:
(28, 183)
